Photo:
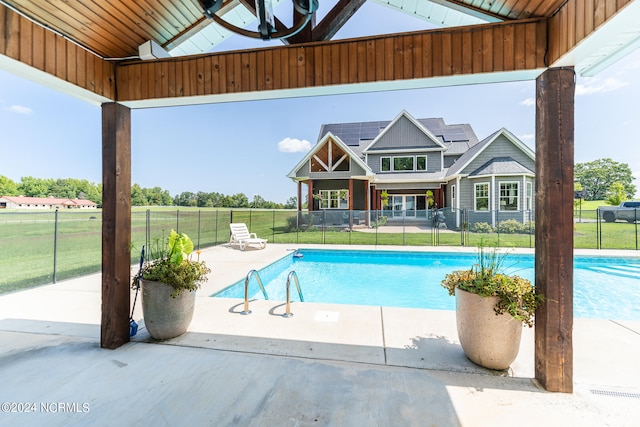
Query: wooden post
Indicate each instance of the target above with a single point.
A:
(366, 202)
(310, 195)
(299, 196)
(555, 90)
(350, 203)
(116, 224)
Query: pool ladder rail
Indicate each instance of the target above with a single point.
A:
(292, 275)
(246, 290)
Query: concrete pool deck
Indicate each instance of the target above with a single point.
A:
(330, 365)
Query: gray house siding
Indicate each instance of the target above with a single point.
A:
(404, 134)
(449, 160)
(501, 147)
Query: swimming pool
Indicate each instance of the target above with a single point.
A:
(604, 287)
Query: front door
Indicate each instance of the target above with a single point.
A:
(405, 205)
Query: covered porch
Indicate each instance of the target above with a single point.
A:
(547, 47)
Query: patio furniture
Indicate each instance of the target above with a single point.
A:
(240, 236)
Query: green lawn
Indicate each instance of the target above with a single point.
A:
(27, 249)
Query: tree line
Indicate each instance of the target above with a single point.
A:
(71, 188)
(602, 179)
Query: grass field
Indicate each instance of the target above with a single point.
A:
(28, 242)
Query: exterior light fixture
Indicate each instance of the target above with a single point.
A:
(266, 20)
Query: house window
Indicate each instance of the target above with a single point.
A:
(334, 199)
(453, 196)
(403, 163)
(508, 196)
(529, 196)
(481, 200)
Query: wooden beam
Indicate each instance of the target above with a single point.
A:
(116, 224)
(381, 59)
(555, 90)
(46, 51)
(575, 21)
(310, 195)
(335, 19)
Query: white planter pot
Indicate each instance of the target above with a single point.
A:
(487, 339)
(166, 317)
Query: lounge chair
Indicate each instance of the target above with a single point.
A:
(240, 236)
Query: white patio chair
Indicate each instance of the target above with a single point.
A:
(240, 236)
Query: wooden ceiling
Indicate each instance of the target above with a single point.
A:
(116, 28)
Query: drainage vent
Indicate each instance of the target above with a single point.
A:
(616, 394)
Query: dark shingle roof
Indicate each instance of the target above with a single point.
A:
(457, 138)
(501, 166)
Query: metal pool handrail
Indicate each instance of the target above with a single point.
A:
(246, 290)
(294, 275)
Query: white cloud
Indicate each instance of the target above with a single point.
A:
(528, 102)
(292, 145)
(596, 85)
(527, 137)
(19, 109)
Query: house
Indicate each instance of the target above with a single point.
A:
(22, 202)
(407, 166)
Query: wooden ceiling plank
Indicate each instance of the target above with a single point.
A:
(76, 30)
(126, 16)
(156, 11)
(110, 25)
(26, 37)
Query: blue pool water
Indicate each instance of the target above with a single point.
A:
(603, 287)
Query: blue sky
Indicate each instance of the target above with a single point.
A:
(249, 147)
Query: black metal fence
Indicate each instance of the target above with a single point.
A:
(45, 247)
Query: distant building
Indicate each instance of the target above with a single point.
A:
(22, 202)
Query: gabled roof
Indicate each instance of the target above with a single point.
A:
(501, 166)
(474, 151)
(458, 138)
(404, 114)
(330, 137)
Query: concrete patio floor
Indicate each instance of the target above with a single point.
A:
(328, 365)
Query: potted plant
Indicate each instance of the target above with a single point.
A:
(491, 309)
(169, 282)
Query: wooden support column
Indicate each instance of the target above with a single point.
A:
(299, 196)
(116, 224)
(366, 202)
(555, 90)
(310, 195)
(350, 194)
(351, 204)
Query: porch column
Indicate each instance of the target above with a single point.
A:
(366, 203)
(555, 89)
(310, 195)
(350, 203)
(350, 194)
(116, 224)
(299, 196)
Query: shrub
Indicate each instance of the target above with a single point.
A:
(482, 227)
(511, 226)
